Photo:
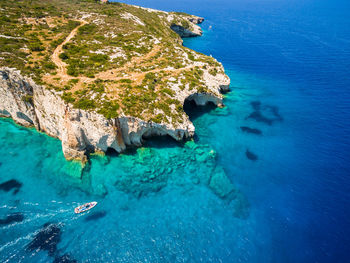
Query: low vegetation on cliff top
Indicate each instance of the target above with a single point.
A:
(112, 58)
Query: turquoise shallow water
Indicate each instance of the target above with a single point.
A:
(289, 64)
(137, 218)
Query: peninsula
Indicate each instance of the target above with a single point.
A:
(102, 75)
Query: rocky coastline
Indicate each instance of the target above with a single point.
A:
(86, 131)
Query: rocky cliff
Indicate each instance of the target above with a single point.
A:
(140, 84)
(81, 131)
(187, 29)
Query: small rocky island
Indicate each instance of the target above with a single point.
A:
(102, 75)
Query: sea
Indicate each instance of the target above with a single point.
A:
(283, 140)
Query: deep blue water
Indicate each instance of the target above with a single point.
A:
(292, 60)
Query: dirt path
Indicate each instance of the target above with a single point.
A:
(62, 70)
(136, 76)
(112, 74)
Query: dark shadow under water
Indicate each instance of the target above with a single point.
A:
(96, 216)
(161, 142)
(64, 259)
(11, 185)
(267, 114)
(251, 156)
(12, 218)
(46, 239)
(247, 129)
(158, 142)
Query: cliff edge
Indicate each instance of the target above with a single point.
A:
(105, 76)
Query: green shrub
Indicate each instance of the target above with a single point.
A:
(90, 75)
(49, 65)
(67, 97)
(191, 57)
(109, 110)
(87, 29)
(100, 58)
(72, 24)
(85, 104)
(202, 89)
(168, 91)
(71, 70)
(158, 118)
(126, 81)
(179, 108)
(57, 42)
(185, 24)
(213, 71)
(73, 81)
(63, 56)
(28, 98)
(36, 46)
(150, 76)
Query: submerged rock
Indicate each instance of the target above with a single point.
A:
(191, 145)
(241, 206)
(100, 190)
(11, 185)
(12, 218)
(256, 105)
(274, 111)
(220, 183)
(140, 183)
(257, 116)
(212, 153)
(264, 113)
(149, 170)
(202, 158)
(64, 259)
(251, 130)
(47, 239)
(251, 156)
(195, 180)
(144, 154)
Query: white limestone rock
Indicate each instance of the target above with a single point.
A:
(80, 131)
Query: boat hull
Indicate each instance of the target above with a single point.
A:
(85, 207)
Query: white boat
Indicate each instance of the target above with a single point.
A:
(84, 207)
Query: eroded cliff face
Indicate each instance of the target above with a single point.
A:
(82, 131)
(129, 84)
(188, 30)
(184, 32)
